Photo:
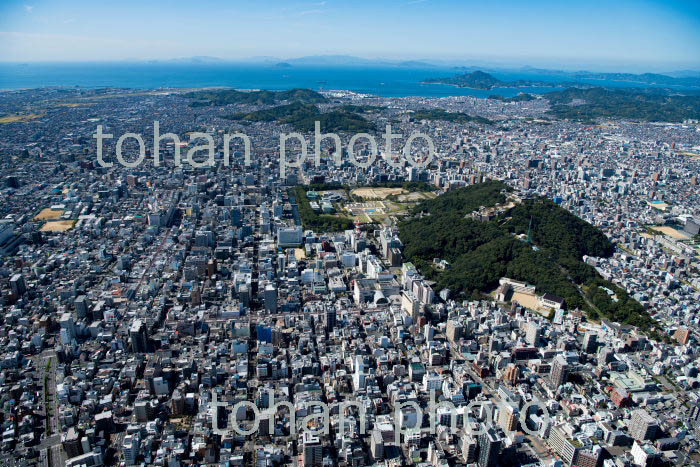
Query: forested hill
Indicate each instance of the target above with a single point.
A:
(557, 229)
(481, 252)
(633, 104)
(465, 200)
(218, 97)
(303, 117)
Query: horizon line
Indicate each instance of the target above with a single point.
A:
(496, 63)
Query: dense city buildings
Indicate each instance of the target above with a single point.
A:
(177, 315)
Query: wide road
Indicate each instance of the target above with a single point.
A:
(50, 449)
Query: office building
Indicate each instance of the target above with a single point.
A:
(489, 448)
(643, 426)
(560, 371)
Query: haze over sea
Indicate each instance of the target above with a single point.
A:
(388, 81)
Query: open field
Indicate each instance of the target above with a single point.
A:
(527, 300)
(671, 232)
(692, 155)
(373, 211)
(531, 302)
(377, 193)
(75, 104)
(58, 226)
(660, 205)
(370, 204)
(19, 118)
(377, 208)
(48, 214)
(416, 196)
(360, 212)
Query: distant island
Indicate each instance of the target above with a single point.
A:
(482, 80)
(584, 102)
(573, 78)
(688, 78)
(644, 78)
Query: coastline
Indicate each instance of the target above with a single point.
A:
(522, 86)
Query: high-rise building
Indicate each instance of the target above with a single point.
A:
(139, 337)
(67, 325)
(560, 371)
(454, 330)
(512, 374)
(590, 342)
(331, 318)
(289, 236)
(532, 336)
(692, 227)
(561, 442)
(588, 457)
(377, 445)
(144, 410)
(643, 426)
(313, 450)
(130, 448)
(71, 443)
(489, 448)
(645, 454)
(17, 285)
(236, 217)
(605, 355)
(82, 306)
(177, 403)
(508, 416)
(270, 298)
(470, 444)
(682, 335)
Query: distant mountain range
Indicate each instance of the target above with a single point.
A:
(678, 78)
(347, 60)
(644, 78)
(196, 59)
(684, 74)
(686, 78)
(482, 80)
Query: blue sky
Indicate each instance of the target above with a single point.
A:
(654, 34)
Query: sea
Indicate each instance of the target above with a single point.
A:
(384, 81)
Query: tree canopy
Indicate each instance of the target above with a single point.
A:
(481, 252)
